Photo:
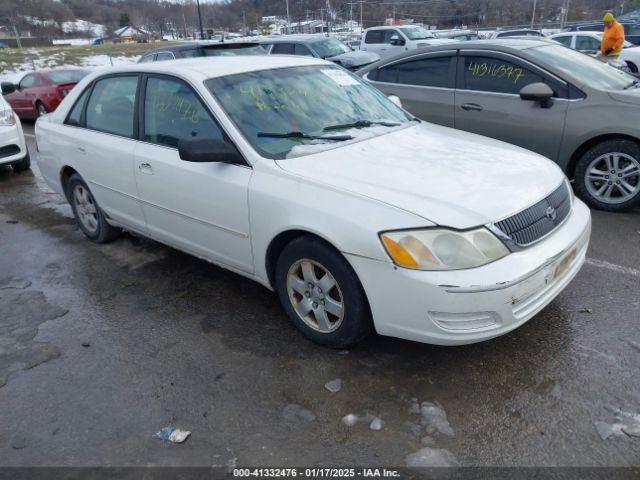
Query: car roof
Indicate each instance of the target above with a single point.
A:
(201, 68)
(196, 45)
(310, 38)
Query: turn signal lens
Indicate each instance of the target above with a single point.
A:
(442, 249)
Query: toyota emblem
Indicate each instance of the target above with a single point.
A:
(551, 213)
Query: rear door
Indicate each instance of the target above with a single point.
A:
(487, 102)
(424, 83)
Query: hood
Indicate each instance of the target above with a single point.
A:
(449, 177)
(357, 58)
(631, 96)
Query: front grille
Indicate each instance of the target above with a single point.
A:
(538, 220)
(9, 150)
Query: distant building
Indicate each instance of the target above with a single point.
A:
(131, 34)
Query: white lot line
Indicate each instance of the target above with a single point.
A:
(613, 267)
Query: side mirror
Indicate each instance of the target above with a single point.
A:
(7, 88)
(205, 150)
(395, 100)
(538, 92)
(396, 40)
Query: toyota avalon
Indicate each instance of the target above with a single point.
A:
(295, 173)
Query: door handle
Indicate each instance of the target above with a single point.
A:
(82, 149)
(145, 167)
(469, 107)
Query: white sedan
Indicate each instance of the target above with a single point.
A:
(589, 43)
(13, 149)
(293, 172)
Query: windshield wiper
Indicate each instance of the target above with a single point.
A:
(632, 84)
(360, 124)
(298, 134)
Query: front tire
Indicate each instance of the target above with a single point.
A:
(607, 177)
(321, 293)
(87, 213)
(41, 109)
(22, 165)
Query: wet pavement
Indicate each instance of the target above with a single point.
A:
(103, 345)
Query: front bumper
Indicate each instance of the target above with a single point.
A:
(12, 143)
(467, 306)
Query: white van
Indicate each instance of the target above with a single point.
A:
(391, 40)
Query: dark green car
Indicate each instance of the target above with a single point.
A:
(565, 105)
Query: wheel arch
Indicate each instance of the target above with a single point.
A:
(65, 174)
(281, 240)
(587, 145)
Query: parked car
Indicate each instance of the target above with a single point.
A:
(542, 96)
(391, 40)
(201, 49)
(13, 149)
(319, 46)
(41, 92)
(293, 172)
(631, 29)
(457, 34)
(589, 43)
(522, 32)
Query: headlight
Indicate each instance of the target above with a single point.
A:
(7, 118)
(442, 249)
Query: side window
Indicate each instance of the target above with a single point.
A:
(283, 49)
(28, 81)
(75, 116)
(374, 36)
(147, 58)
(111, 105)
(487, 74)
(390, 33)
(302, 50)
(585, 43)
(632, 29)
(172, 112)
(564, 40)
(426, 72)
(164, 56)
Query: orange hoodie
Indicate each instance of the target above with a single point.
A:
(613, 38)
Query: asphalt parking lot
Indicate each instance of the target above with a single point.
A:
(103, 345)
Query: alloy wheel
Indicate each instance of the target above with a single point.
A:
(85, 208)
(315, 295)
(613, 177)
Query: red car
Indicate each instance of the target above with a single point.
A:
(41, 92)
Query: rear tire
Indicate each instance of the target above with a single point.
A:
(87, 212)
(607, 177)
(22, 165)
(322, 294)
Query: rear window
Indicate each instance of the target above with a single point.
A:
(374, 36)
(59, 77)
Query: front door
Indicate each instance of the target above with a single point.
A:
(487, 102)
(199, 207)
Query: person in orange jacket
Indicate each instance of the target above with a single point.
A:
(613, 38)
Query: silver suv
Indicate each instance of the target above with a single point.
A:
(542, 96)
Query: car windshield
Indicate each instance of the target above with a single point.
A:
(233, 50)
(417, 33)
(59, 77)
(584, 69)
(313, 107)
(330, 48)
